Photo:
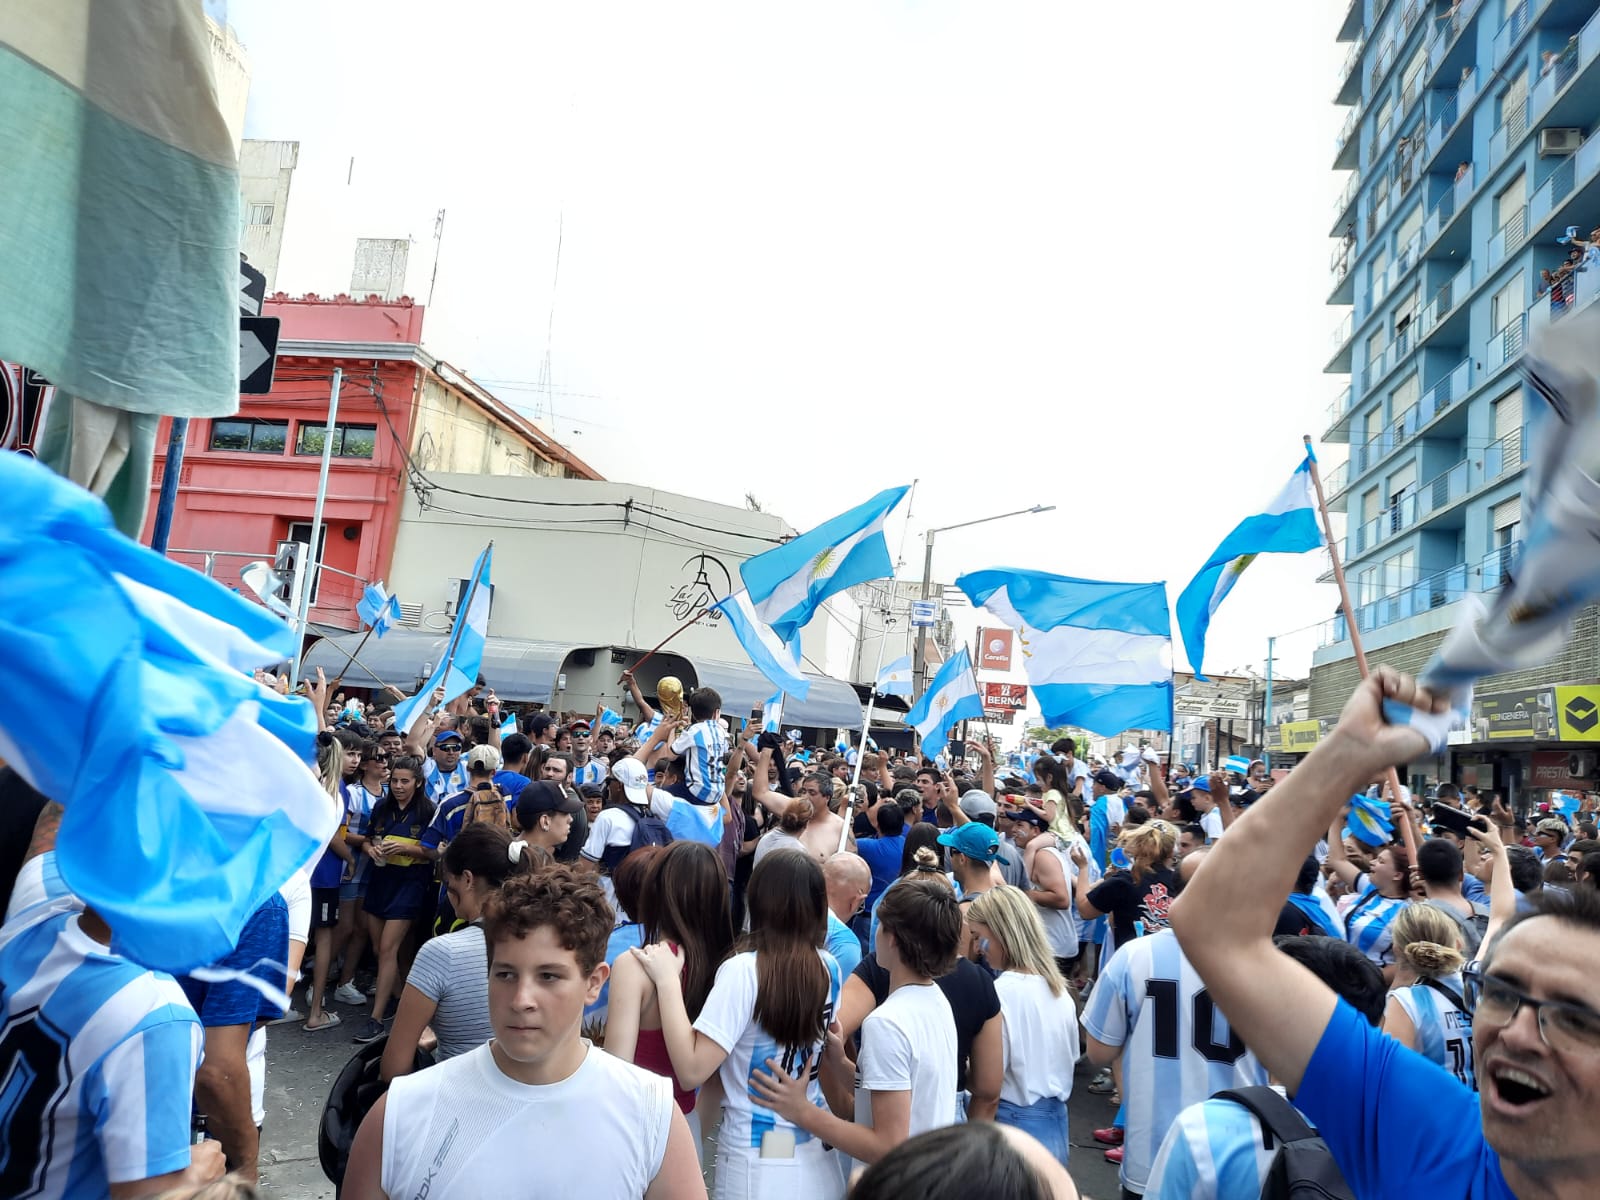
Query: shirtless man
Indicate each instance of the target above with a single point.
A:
(821, 836)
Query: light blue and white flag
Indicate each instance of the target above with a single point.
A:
(788, 584)
(509, 725)
(1288, 525)
(772, 714)
(1237, 763)
(895, 678)
(609, 717)
(775, 657)
(378, 608)
(457, 672)
(1558, 571)
(1098, 655)
(188, 810)
(1368, 820)
(952, 696)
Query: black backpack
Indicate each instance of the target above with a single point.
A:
(648, 830)
(1303, 1168)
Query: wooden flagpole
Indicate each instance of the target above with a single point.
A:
(651, 652)
(1352, 627)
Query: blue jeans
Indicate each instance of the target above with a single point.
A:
(1045, 1120)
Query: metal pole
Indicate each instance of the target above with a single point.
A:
(1266, 715)
(866, 724)
(162, 530)
(1355, 632)
(919, 657)
(302, 616)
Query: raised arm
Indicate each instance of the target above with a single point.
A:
(772, 801)
(986, 758)
(1223, 795)
(1502, 892)
(1224, 919)
(656, 747)
(645, 710)
(1338, 858)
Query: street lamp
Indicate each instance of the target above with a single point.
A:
(919, 658)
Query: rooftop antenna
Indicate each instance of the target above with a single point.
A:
(546, 373)
(438, 239)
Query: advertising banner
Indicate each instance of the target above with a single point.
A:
(1526, 714)
(994, 649)
(1578, 714)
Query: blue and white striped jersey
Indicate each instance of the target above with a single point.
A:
(705, 747)
(1214, 1151)
(108, 1052)
(1367, 923)
(593, 771)
(1178, 1048)
(1444, 1027)
(644, 730)
(439, 784)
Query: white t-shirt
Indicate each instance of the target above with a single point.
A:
(777, 839)
(465, 1128)
(1211, 822)
(1061, 925)
(908, 1044)
(1040, 1034)
(728, 1019)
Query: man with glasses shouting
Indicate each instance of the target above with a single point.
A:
(1398, 1124)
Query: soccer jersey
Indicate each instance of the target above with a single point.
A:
(1215, 1150)
(1443, 1025)
(358, 806)
(644, 731)
(1367, 923)
(728, 1019)
(100, 1057)
(439, 784)
(705, 746)
(1178, 1047)
(594, 771)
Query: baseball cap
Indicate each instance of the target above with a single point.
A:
(537, 725)
(976, 841)
(483, 758)
(976, 804)
(1032, 816)
(633, 777)
(449, 735)
(542, 796)
(1200, 783)
(1109, 779)
(577, 725)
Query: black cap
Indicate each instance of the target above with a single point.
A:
(541, 796)
(1032, 816)
(1109, 780)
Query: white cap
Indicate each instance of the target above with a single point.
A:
(634, 778)
(483, 758)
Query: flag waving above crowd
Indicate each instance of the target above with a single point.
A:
(951, 696)
(457, 671)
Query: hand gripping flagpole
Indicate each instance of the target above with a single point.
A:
(1355, 637)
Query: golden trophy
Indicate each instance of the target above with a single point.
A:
(669, 691)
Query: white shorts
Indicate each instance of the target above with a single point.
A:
(814, 1173)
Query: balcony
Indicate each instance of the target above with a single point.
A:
(1337, 412)
(1444, 587)
(1511, 31)
(1405, 258)
(1509, 238)
(1576, 292)
(1513, 128)
(1345, 144)
(1344, 253)
(1448, 48)
(1494, 569)
(1348, 88)
(1504, 346)
(1337, 483)
(1450, 120)
(1569, 175)
(1339, 364)
(1399, 346)
(1381, 62)
(1342, 222)
(1580, 52)
(1350, 26)
(1444, 210)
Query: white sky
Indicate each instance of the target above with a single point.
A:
(1044, 253)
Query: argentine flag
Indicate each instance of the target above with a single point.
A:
(775, 657)
(788, 584)
(1098, 655)
(1288, 525)
(951, 697)
(895, 678)
(772, 714)
(188, 810)
(378, 608)
(458, 671)
(609, 717)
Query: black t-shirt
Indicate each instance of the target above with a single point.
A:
(1293, 923)
(968, 988)
(1126, 901)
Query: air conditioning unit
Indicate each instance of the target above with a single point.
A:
(1580, 766)
(1559, 141)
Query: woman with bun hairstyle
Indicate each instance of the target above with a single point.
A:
(448, 988)
(1427, 1009)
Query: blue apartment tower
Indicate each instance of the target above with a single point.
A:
(1472, 143)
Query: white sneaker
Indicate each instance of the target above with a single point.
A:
(349, 994)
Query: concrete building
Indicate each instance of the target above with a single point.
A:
(1471, 147)
(265, 171)
(230, 77)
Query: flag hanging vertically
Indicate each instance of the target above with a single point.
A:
(895, 678)
(952, 696)
(789, 583)
(378, 608)
(457, 673)
(1288, 525)
(1098, 655)
(772, 714)
(775, 657)
(151, 837)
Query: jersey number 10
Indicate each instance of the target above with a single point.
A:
(1164, 1001)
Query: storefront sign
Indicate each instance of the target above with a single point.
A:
(1561, 769)
(1009, 697)
(1578, 714)
(1527, 715)
(994, 649)
(1299, 737)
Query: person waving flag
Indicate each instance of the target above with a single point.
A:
(952, 696)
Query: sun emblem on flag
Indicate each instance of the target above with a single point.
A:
(944, 701)
(821, 563)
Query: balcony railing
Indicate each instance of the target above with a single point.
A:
(1347, 197)
(1435, 591)
(1399, 346)
(1505, 345)
(1405, 258)
(1443, 302)
(1516, 24)
(1342, 81)
(1341, 334)
(1346, 132)
(1381, 62)
(1576, 291)
(1494, 569)
(1339, 262)
(1454, 199)
(1338, 409)
(1338, 479)
(1445, 36)
(1512, 233)
(1454, 109)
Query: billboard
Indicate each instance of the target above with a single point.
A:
(1299, 737)
(1577, 715)
(1526, 714)
(1002, 700)
(994, 649)
(1559, 769)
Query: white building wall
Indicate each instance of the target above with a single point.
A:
(265, 171)
(230, 74)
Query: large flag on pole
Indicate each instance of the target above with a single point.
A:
(1098, 655)
(1558, 572)
(789, 583)
(772, 714)
(1288, 525)
(952, 696)
(895, 678)
(775, 657)
(378, 608)
(458, 672)
(186, 786)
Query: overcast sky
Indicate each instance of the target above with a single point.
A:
(1027, 253)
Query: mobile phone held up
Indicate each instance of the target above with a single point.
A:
(1453, 819)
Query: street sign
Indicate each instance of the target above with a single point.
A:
(924, 613)
(252, 289)
(1226, 708)
(258, 354)
(999, 716)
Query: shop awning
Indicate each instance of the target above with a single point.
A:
(521, 671)
(831, 704)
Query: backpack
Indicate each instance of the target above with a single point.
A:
(1472, 928)
(487, 806)
(1303, 1168)
(648, 830)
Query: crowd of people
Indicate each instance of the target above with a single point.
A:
(665, 934)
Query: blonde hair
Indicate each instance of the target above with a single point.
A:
(1014, 921)
(1428, 940)
(1148, 845)
(330, 764)
(926, 865)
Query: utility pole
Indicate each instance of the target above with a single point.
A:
(1266, 714)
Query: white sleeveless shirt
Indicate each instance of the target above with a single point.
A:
(465, 1128)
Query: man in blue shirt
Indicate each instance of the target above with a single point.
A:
(848, 880)
(1397, 1124)
(884, 851)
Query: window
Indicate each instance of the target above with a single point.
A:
(1405, 313)
(1373, 423)
(261, 214)
(248, 434)
(1399, 572)
(1506, 305)
(1411, 77)
(1409, 228)
(349, 441)
(1375, 349)
(1514, 105)
(1385, 111)
(1366, 587)
(1401, 486)
(300, 531)
(1376, 266)
(1510, 201)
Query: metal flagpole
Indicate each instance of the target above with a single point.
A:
(1355, 634)
(301, 617)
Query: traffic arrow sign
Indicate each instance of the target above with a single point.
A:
(252, 289)
(258, 354)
